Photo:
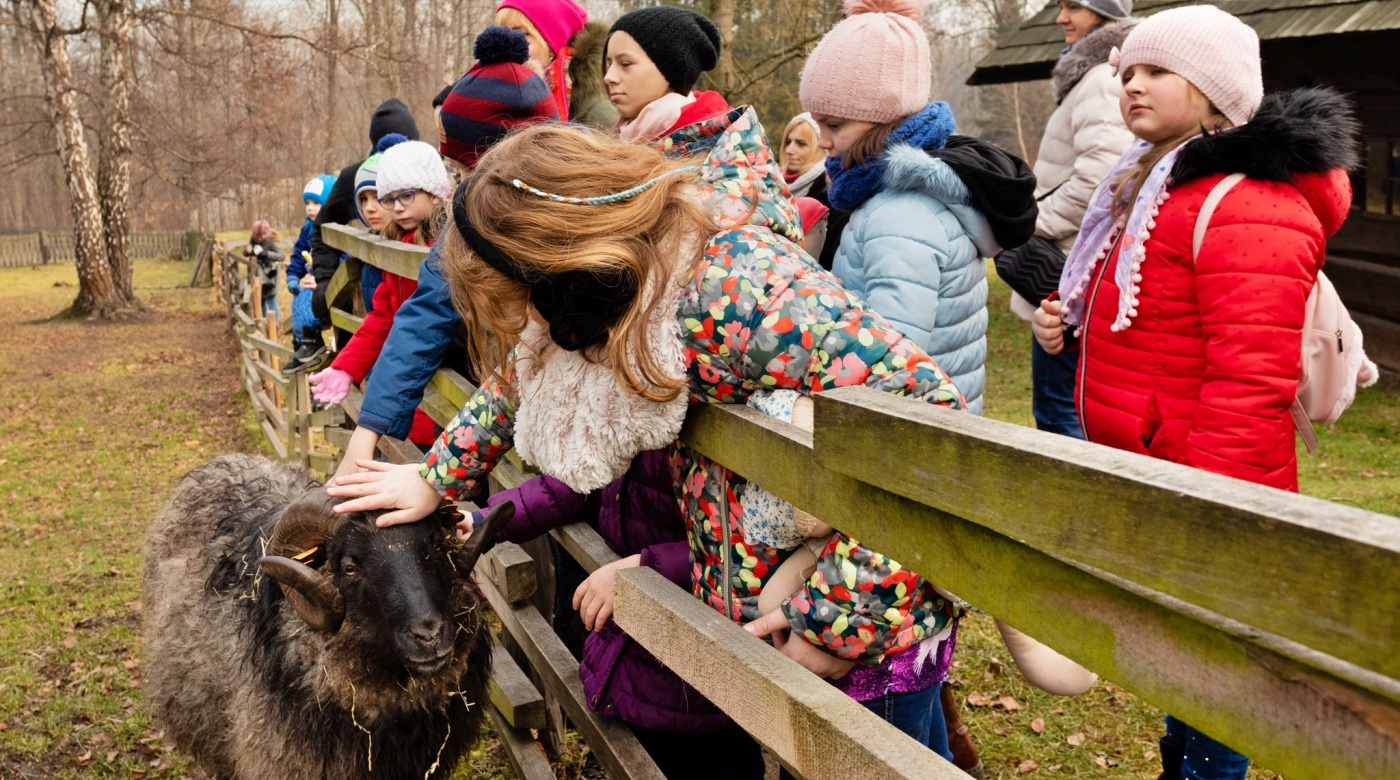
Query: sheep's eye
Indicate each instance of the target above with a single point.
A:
(349, 569)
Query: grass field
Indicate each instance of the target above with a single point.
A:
(103, 418)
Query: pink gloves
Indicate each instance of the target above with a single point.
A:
(330, 386)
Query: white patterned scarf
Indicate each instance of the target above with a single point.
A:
(1100, 229)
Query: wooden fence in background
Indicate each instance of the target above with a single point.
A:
(281, 402)
(1268, 620)
(43, 247)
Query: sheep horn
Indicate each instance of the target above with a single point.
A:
(314, 597)
(485, 533)
(305, 523)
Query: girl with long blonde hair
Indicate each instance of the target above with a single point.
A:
(611, 287)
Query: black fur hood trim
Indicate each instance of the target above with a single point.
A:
(1091, 51)
(1310, 130)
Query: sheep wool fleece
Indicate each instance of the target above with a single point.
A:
(758, 314)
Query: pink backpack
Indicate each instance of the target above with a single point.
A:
(1334, 363)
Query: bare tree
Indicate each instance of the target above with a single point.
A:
(114, 149)
(96, 293)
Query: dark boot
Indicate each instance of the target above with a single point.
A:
(965, 755)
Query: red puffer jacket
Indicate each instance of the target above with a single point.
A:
(1208, 369)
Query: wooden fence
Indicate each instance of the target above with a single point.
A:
(1268, 620)
(44, 247)
(281, 402)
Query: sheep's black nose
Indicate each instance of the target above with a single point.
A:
(428, 631)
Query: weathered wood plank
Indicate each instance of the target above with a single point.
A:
(270, 433)
(512, 693)
(337, 437)
(338, 288)
(526, 756)
(610, 740)
(346, 321)
(437, 406)
(280, 351)
(454, 386)
(392, 256)
(399, 451)
(323, 464)
(584, 545)
(1239, 685)
(813, 728)
(513, 571)
(1312, 571)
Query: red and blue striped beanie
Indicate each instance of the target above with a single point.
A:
(496, 96)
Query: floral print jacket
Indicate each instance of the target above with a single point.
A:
(758, 313)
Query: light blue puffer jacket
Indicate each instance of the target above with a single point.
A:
(915, 252)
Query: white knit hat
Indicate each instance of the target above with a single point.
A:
(1213, 50)
(413, 165)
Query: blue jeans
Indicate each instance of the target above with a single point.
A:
(1052, 391)
(918, 714)
(1187, 754)
(269, 304)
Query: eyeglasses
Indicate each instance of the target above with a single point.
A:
(405, 197)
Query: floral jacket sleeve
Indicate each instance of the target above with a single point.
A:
(764, 317)
(473, 441)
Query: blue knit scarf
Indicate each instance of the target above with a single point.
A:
(850, 187)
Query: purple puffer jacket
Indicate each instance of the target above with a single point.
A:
(637, 513)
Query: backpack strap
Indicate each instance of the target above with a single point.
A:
(1208, 210)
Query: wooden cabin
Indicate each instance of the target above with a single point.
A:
(1352, 45)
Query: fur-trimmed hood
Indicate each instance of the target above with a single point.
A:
(1307, 137)
(1092, 50)
(910, 169)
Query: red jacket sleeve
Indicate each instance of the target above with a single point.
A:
(359, 355)
(1257, 264)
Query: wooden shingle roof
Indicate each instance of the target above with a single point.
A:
(1032, 51)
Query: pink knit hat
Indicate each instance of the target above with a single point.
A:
(1213, 50)
(557, 20)
(872, 67)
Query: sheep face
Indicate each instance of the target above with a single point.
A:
(395, 604)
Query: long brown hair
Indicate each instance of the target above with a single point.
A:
(871, 144)
(1129, 183)
(639, 236)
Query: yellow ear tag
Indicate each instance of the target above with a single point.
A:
(302, 556)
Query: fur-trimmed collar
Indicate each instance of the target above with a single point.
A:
(1309, 130)
(908, 169)
(1091, 50)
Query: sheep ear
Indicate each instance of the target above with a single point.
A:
(487, 531)
(314, 597)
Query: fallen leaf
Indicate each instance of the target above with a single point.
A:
(1100, 761)
(976, 699)
(1054, 767)
(70, 642)
(1027, 766)
(1076, 739)
(84, 759)
(1010, 704)
(1038, 725)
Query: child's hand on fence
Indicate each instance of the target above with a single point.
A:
(330, 386)
(308, 282)
(395, 487)
(1048, 328)
(594, 597)
(812, 658)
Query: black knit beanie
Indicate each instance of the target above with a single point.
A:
(392, 116)
(682, 43)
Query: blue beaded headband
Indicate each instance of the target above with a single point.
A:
(601, 200)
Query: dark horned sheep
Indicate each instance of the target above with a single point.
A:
(283, 640)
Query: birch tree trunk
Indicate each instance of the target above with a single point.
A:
(114, 146)
(96, 294)
(724, 77)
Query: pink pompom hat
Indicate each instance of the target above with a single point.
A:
(873, 66)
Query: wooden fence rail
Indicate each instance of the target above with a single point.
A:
(1268, 620)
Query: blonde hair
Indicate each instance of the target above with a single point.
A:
(638, 237)
(1129, 183)
(514, 18)
(804, 129)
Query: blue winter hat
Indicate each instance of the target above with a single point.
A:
(318, 189)
(366, 178)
